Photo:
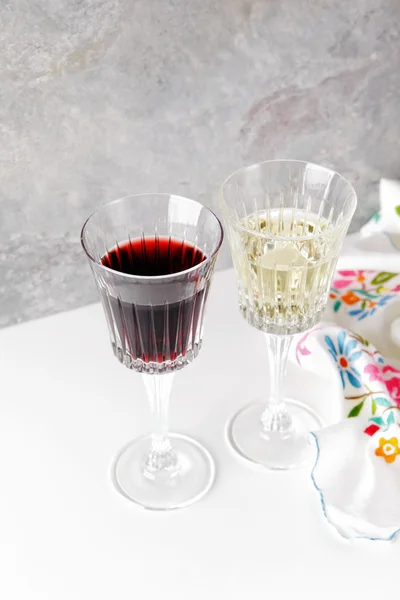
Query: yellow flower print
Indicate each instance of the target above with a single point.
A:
(388, 449)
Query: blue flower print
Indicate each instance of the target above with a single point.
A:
(362, 313)
(343, 355)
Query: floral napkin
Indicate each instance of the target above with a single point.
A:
(357, 470)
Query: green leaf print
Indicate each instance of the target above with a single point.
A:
(366, 343)
(336, 306)
(382, 278)
(356, 410)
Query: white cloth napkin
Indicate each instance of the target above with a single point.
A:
(357, 470)
(377, 244)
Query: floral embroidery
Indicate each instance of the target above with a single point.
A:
(353, 354)
(363, 291)
(373, 372)
(343, 355)
(350, 298)
(371, 386)
(380, 398)
(301, 348)
(388, 449)
(368, 308)
(393, 384)
(387, 375)
(346, 278)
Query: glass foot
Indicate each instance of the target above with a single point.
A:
(274, 450)
(189, 481)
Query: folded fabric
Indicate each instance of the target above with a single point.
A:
(377, 244)
(357, 470)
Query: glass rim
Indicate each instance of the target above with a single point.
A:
(151, 277)
(301, 238)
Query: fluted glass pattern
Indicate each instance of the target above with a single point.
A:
(286, 221)
(155, 322)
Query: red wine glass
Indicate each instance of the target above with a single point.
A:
(152, 257)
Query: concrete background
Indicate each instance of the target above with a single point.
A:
(102, 98)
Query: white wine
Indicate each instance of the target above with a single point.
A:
(284, 264)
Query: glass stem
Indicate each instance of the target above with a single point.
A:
(276, 418)
(161, 458)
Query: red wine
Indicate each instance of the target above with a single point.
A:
(152, 256)
(155, 321)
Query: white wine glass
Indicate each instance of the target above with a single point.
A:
(285, 221)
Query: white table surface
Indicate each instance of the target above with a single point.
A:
(67, 407)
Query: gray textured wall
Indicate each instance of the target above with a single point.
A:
(101, 98)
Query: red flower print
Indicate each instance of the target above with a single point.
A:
(388, 375)
(390, 369)
(393, 386)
